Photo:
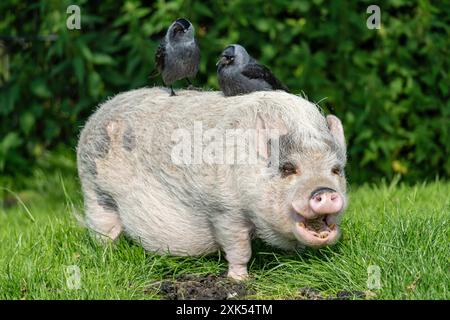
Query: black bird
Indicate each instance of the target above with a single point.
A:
(178, 54)
(239, 73)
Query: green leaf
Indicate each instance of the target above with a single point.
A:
(78, 66)
(40, 89)
(95, 84)
(86, 52)
(8, 97)
(27, 121)
(102, 59)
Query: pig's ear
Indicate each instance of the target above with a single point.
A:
(268, 128)
(336, 129)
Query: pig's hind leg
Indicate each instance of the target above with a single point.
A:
(102, 210)
(102, 215)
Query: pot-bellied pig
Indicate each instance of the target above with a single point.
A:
(200, 172)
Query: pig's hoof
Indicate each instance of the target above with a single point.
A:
(237, 274)
(238, 277)
(103, 239)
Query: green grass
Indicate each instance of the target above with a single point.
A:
(404, 230)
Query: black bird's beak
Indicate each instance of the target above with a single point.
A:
(222, 60)
(184, 24)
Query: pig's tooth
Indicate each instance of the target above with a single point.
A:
(332, 226)
(301, 224)
(324, 234)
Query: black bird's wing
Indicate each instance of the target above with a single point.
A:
(160, 56)
(259, 71)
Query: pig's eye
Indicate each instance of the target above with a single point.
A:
(337, 171)
(287, 169)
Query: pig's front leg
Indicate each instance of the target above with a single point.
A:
(234, 236)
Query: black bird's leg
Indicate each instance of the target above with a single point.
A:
(172, 93)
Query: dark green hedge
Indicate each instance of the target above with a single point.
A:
(389, 86)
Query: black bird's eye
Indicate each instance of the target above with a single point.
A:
(229, 58)
(337, 170)
(288, 169)
(177, 28)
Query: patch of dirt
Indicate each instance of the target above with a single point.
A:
(310, 294)
(347, 295)
(192, 287)
(313, 294)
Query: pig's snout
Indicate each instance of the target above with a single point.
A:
(317, 215)
(326, 201)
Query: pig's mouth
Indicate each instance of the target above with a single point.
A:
(317, 232)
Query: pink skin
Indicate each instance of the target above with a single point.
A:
(325, 204)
